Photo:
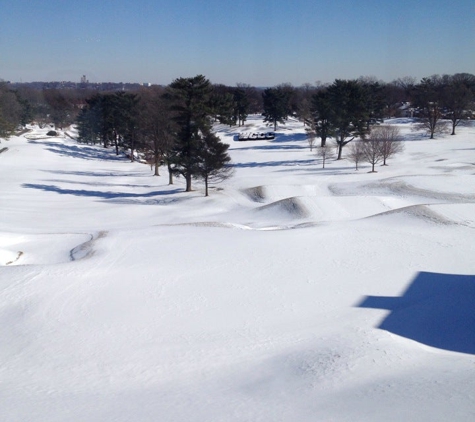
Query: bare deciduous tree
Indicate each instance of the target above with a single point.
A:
(431, 122)
(325, 153)
(311, 137)
(356, 153)
(382, 143)
(372, 151)
(391, 141)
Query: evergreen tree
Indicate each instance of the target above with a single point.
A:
(276, 105)
(253, 98)
(190, 99)
(321, 115)
(304, 95)
(428, 99)
(348, 102)
(157, 128)
(10, 111)
(375, 100)
(94, 122)
(60, 108)
(124, 115)
(213, 160)
(88, 125)
(458, 96)
(112, 118)
(241, 106)
(222, 105)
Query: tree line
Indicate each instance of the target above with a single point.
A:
(171, 125)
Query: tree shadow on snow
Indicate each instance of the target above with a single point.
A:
(274, 163)
(276, 143)
(98, 174)
(99, 194)
(115, 185)
(286, 147)
(436, 309)
(83, 152)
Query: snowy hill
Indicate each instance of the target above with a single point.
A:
(292, 293)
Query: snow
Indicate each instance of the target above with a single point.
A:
(292, 293)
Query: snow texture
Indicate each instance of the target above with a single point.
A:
(292, 293)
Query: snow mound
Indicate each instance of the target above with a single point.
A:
(319, 209)
(41, 249)
(419, 186)
(8, 257)
(273, 193)
(423, 212)
(216, 303)
(86, 249)
(256, 194)
(289, 207)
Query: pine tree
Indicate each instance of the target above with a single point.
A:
(88, 125)
(348, 102)
(10, 111)
(157, 128)
(321, 113)
(276, 105)
(124, 118)
(428, 99)
(213, 160)
(241, 106)
(457, 96)
(222, 105)
(190, 99)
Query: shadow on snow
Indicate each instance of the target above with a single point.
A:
(269, 147)
(436, 309)
(281, 141)
(83, 152)
(274, 163)
(98, 194)
(115, 185)
(98, 174)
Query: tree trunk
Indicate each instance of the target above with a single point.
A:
(206, 185)
(188, 183)
(116, 144)
(157, 166)
(170, 174)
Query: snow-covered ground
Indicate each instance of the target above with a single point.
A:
(292, 293)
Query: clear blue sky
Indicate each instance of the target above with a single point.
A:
(259, 42)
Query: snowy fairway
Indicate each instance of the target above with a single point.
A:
(292, 293)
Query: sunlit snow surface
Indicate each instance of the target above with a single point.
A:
(292, 293)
